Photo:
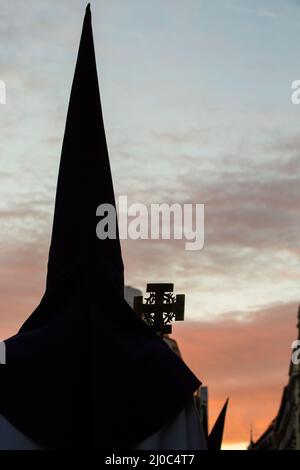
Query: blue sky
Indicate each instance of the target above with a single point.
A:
(197, 108)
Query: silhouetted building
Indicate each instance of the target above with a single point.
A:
(130, 293)
(284, 431)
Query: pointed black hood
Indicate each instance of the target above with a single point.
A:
(84, 371)
(84, 181)
(216, 435)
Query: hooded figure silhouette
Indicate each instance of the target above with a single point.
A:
(84, 371)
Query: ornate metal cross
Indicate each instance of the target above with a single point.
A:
(161, 307)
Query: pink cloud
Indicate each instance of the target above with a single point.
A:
(246, 361)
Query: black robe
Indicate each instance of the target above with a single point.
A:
(84, 371)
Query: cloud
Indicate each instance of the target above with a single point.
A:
(196, 110)
(246, 361)
(251, 193)
(22, 282)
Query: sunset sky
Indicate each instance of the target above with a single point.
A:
(197, 107)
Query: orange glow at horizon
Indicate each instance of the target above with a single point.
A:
(246, 361)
